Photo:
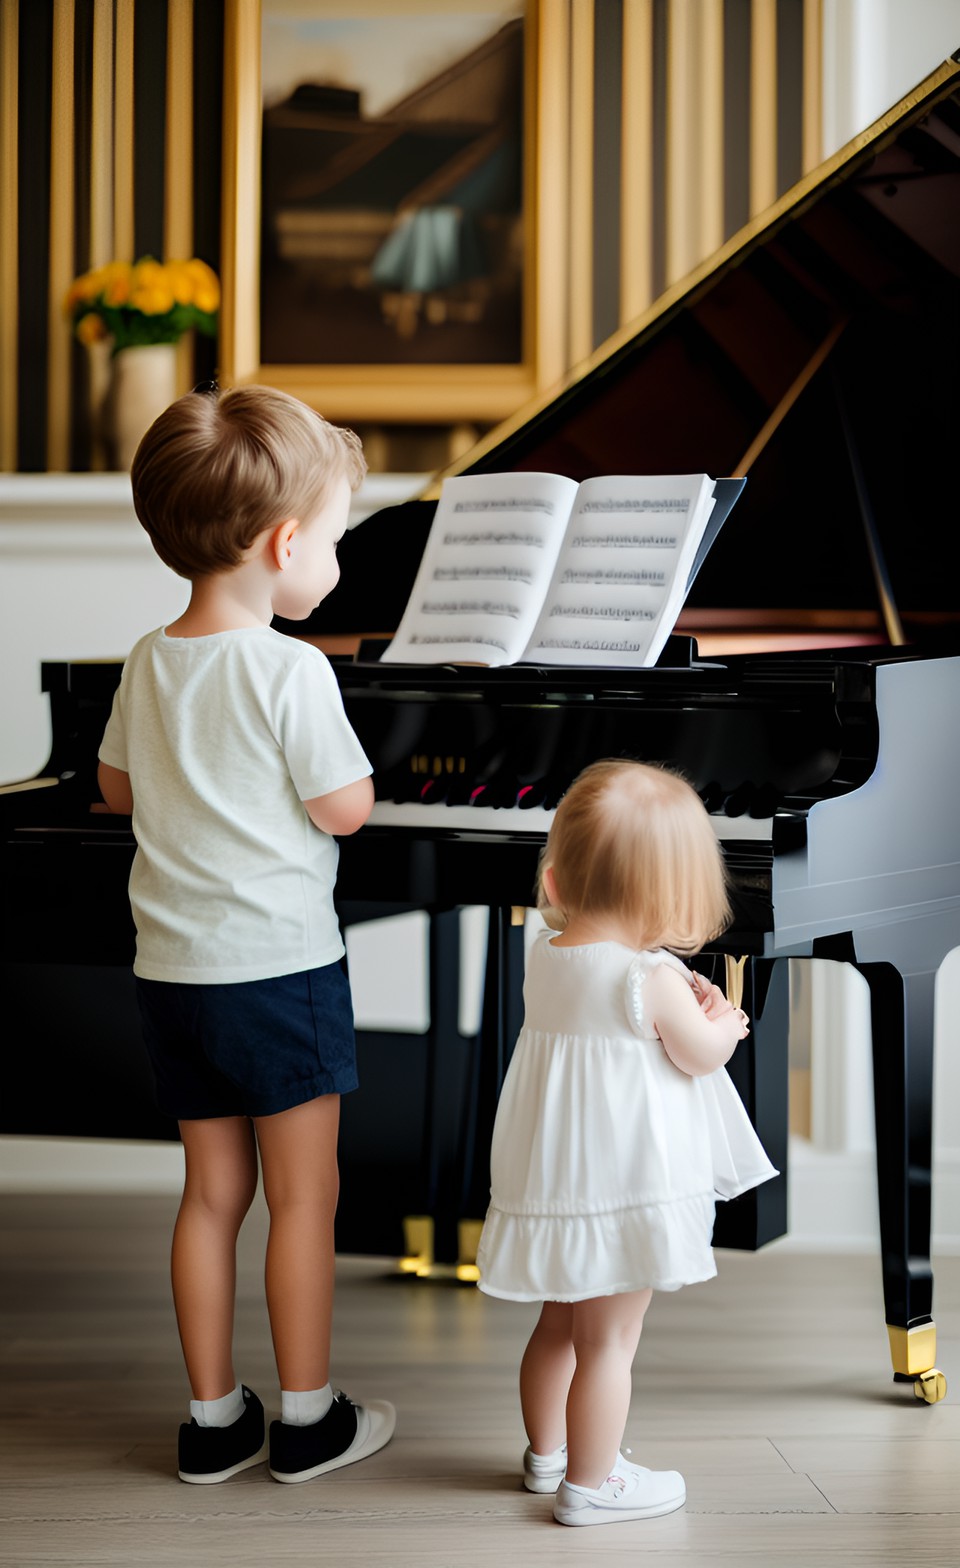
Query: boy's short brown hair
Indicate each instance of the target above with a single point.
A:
(633, 840)
(217, 468)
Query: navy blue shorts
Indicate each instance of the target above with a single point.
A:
(249, 1049)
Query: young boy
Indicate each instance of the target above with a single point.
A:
(229, 744)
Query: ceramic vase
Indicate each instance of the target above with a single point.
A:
(142, 385)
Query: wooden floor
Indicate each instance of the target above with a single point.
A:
(769, 1388)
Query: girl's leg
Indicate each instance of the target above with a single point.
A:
(298, 1153)
(218, 1189)
(606, 1332)
(545, 1372)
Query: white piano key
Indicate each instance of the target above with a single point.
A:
(534, 820)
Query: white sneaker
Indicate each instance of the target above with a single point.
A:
(627, 1493)
(544, 1472)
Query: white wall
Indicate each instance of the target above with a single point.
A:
(79, 580)
(874, 53)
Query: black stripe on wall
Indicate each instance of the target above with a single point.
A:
(34, 93)
(789, 93)
(149, 119)
(207, 154)
(736, 115)
(80, 419)
(607, 95)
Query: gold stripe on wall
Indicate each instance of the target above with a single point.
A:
(101, 136)
(581, 134)
(101, 210)
(636, 160)
(710, 158)
(240, 202)
(61, 238)
(763, 104)
(178, 159)
(123, 229)
(9, 45)
(812, 127)
(549, 54)
(681, 217)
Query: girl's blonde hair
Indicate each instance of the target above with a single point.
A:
(217, 468)
(633, 840)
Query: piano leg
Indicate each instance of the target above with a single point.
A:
(400, 1148)
(759, 1069)
(902, 1031)
(502, 1016)
(432, 1238)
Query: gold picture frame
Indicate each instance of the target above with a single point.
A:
(401, 392)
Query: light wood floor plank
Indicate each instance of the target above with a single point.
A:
(768, 1387)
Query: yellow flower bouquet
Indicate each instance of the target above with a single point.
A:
(143, 302)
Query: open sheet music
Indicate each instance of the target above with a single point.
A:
(536, 569)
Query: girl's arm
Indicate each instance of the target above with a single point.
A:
(699, 1028)
(344, 810)
(115, 788)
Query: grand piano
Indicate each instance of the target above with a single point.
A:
(810, 694)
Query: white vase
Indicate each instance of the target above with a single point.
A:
(143, 382)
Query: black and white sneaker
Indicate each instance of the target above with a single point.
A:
(207, 1454)
(346, 1433)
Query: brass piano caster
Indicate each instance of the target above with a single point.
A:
(930, 1386)
(913, 1352)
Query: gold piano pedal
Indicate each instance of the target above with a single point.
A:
(913, 1352)
(419, 1260)
(468, 1239)
(418, 1242)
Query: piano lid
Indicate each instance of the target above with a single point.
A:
(816, 352)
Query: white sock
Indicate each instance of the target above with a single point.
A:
(218, 1412)
(305, 1406)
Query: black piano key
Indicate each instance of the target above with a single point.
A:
(712, 796)
(529, 795)
(765, 802)
(739, 800)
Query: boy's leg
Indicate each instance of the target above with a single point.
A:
(219, 1187)
(606, 1332)
(298, 1153)
(546, 1370)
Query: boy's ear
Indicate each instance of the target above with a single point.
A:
(281, 542)
(550, 886)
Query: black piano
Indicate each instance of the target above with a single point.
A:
(811, 694)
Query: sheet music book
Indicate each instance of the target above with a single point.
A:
(530, 568)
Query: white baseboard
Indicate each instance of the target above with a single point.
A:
(89, 1165)
(832, 1201)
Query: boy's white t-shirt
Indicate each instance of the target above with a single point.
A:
(224, 737)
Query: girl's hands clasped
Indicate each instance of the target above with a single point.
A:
(713, 1003)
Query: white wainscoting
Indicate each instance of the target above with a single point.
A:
(79, 580)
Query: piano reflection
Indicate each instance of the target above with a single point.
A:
(816, 353)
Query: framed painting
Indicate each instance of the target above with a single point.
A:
(387, 199)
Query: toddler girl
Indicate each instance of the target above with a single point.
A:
(617, 1127)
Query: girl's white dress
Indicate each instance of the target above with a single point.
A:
(607, 1160)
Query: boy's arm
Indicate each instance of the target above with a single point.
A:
(344, 810)
(115, 788)
(697, 1036)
